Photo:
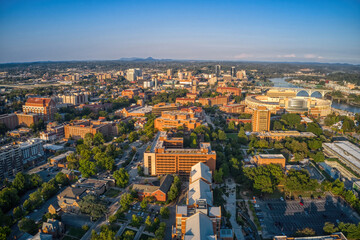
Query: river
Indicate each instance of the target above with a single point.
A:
(280, 82)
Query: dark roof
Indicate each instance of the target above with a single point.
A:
(71, 192)
(165, 183)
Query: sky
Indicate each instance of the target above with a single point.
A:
(242, 30)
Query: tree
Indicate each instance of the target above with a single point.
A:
(62, 179)
(4, 232)
(314, 128)
(98, 139)
(218, 176)
(319, 157)
(133, 136)
(18, 212)
(87, 167)
(20, 182)
(128, 235)
(72, 161)
(164, 212)
(222, 135)
(314, 144)
(93, 206)
(27, 225)
(231, 125)
(243, 139)
(57, 117)
(8, 198)
(121, 177)
(330, 228)
(148, 222)
(36, 180)
(125, 201)
(174, 189)
(306, 232)
(88, 139)
(277, 125)
(136, 220)
(291, 119)
(48, 189)
(160, 232)
(143, 204)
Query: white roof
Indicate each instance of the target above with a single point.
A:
(200, 170)
(200, 190)
(199, 227)
(346, 150)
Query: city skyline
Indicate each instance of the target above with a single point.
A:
(276, 31)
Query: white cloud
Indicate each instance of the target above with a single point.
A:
(243, 55)
(312, 56)
(287, 56)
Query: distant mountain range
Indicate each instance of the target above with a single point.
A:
(148, 59)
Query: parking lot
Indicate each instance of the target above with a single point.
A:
(286, 217)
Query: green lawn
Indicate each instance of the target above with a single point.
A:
(76, 233)
(112, 193)
(232, 135)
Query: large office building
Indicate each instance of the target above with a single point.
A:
(233, 72)
(45, 107)
(167, 156)
(346, 152)
(133, 74)
(217, 70)
(261, 120)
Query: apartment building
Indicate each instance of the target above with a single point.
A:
(45, 107)
(261, 119)
(9, 120)
(130, 93)
(184, 101)
(167, 156)
(13, 157)
(74, 98)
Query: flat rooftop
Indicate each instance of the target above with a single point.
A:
(346, 150)
(271, 156)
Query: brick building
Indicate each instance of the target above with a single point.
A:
(157, 189)
(232, 90)
(130, 93)
(9, 120)
(187, 118)
(45, 107)
(184, 101)
(265, 159)
(233, 108)
(167, 156)
(161, 107)
(80, 128)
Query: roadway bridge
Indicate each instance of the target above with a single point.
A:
(302, 92)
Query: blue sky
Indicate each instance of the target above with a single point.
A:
(312, 31)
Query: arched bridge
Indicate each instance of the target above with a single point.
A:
(304, 92)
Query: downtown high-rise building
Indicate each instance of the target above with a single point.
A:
(133, 74)
(233, 72)
(217, 70)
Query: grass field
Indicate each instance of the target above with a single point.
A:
(112, 193)
(232, 135)
(74, 233)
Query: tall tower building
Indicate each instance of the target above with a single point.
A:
(217, 70)
(261, 120)
(233, 72)
(168, 73)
